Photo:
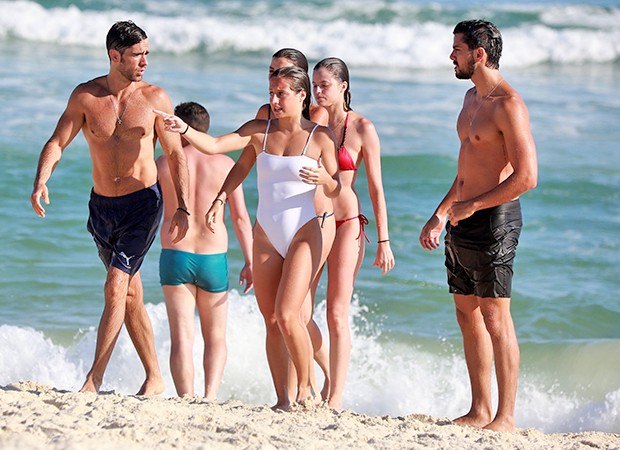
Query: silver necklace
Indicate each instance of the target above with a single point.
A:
(471, 121)
(119, 119)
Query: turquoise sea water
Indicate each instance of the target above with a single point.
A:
(563, 57)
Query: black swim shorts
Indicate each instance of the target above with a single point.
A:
(480, 251)
(125, 227)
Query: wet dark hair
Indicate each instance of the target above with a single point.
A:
(123, 35)
(481, 33)
(298, 81)
(340, 71)
(194, 114)
(295, 56)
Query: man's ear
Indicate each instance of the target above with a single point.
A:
(114, 55)
(480, 54)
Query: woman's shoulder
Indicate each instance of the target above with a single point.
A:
(360, 123)
(263, 111)
(318, 114)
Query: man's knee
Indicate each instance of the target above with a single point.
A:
(116, 289)
(496, 314)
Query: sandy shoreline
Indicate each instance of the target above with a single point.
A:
(36, 416)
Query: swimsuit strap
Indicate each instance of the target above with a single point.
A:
(344, 130)
(308, 141)
(266, 132)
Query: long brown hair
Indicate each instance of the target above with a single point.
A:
(340, 71)
(298, 81)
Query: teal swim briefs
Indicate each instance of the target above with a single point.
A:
(208, 272)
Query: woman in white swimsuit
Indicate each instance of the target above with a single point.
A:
(287, 236)
(288, 57)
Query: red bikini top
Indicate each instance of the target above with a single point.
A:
(345, 162)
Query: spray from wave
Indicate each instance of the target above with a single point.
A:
(384, 377)
(392, 35)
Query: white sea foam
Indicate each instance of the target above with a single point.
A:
(385, 378)
(558, 34)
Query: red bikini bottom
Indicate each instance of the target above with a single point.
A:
(363, 221)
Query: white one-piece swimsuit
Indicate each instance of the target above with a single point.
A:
(285, 202)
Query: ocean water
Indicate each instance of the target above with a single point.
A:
(562, 56)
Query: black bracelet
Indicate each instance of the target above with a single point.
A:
(185, 130)
(384, 240)
(184, 210)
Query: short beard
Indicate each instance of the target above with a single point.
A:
(468, 72)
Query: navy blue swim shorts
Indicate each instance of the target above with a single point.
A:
(125, 227)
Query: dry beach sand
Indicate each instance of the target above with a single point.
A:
(36, 416)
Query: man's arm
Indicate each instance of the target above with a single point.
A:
(179, 173)
(429, 236)
(243, 229)
(68, 126)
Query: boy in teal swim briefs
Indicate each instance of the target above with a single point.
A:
(194, 272)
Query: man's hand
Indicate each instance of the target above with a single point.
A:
(429, 236)
(35, 199)
(180, 222)
(460, 211)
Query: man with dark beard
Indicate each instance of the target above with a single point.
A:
(115, 114)
(482, 216)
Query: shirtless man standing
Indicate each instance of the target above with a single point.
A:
(194, 272)
(482, 216)
(115, 113)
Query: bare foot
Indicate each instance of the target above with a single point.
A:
(90, 386)
(306, 395)
(334, 406)
(325, 390)
(152, 386)
(500, 424)
(281, 406)
(471, 420)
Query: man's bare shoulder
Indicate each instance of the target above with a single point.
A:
(91, 87)
(155, 95)
(511, 104)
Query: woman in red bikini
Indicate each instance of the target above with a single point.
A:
(359, 143)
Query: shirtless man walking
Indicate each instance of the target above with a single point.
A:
(115, 113)
(482, 215)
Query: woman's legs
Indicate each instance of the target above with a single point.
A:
(267, 272)
(343, 265)
(298, 271)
